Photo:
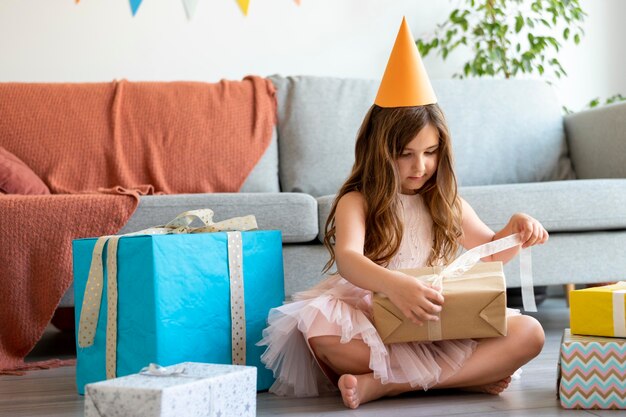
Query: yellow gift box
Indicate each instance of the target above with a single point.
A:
(599, 311)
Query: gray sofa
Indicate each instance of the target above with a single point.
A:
(514, 151)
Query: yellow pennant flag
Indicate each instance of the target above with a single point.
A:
(243, 4)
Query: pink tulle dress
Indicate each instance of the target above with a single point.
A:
(338, 308)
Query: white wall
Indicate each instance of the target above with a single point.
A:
(597, 67)
(99, 40)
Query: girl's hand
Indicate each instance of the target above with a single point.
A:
(417, 301)
(531, 231)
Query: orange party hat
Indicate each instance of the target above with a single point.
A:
(405, 82)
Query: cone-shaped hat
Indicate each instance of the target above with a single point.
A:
(405, 82)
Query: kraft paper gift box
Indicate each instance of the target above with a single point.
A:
(174, 302)
(474, 307)
(188, 389)
(599, 311)
(592, 372)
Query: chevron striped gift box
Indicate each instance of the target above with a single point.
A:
(592, 372)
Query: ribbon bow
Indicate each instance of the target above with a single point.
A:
(157, 370)
(181, 224)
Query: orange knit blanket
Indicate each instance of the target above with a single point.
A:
(181, 137)
(36, 234)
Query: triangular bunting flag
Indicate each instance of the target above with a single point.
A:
(134, 5)
(190, 8)
(243, 4)
(298, 2)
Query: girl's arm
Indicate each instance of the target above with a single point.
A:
(475, 233)
(416, 300)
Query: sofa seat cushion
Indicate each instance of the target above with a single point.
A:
(561, 206)
(295, 214)
(324, 204)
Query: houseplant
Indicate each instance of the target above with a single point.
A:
(508, 37)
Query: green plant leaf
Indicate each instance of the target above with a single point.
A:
(553, 42)
(519, 23)
(464, 24)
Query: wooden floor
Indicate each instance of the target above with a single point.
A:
(53, 392)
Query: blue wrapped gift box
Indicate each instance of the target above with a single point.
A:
(174, 301)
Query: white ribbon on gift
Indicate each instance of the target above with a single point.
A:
(619, 313)
(157, 370)
(470, 258)
(181, 224)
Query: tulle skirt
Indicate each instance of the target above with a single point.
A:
(338, 308)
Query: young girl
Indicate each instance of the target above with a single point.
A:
(399, 208)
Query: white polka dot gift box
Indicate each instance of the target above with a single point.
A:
(187, 389)
(175, 293)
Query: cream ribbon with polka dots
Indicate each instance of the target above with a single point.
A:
(181, 224)
(237, 302)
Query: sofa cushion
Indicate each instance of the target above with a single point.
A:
(597, 141)
(578, 257)
(324, 204)
(561, 206)
(503, 131)
(295, 214)
(318, 119)
(264, 176)
(17, 178)
(303, 266)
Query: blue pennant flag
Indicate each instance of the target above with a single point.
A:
(134, 5)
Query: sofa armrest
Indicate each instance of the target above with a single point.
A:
(597, 142)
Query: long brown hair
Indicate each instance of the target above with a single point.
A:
(382, 137)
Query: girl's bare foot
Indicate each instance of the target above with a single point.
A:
(348, 387)
(494, 388)
(359, 389)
